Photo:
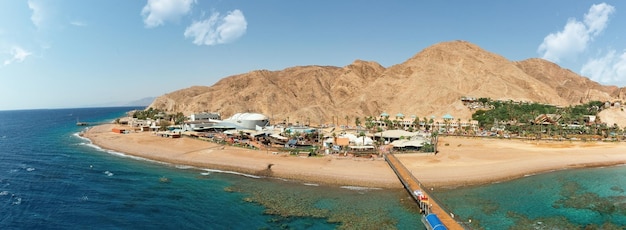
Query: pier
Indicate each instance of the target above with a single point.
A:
(426, 203)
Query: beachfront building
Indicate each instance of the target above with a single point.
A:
(300, 129)
(200, 122)
(198, 126)
(413, 144)
(250, 121)
(403, 140)
(389, 136)
(134, 122)
(445, 124)
(204, 116)
(239, 121)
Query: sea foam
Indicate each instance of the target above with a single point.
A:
(18, 200)
(90, 144)
(231, 172)
(357, 188)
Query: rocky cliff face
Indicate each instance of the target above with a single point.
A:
(430, 83)
(570, 86)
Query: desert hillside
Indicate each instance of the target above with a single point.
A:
(430, 83)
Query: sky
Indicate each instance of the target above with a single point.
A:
(71, 53)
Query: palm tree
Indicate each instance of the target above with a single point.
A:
(357, 122)
(288, 132)
(388, 122)
(434, 139)
(396, 122)
(416, 122)
(430, 122)
(369, 123)
(347, 121)
(362, 135)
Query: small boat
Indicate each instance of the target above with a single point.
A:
(78, 123)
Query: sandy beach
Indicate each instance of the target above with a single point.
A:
(470, 161)
(461, 161)
(192, 152)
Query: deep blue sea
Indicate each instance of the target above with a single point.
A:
(50, 178)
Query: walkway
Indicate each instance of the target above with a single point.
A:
(412, 184)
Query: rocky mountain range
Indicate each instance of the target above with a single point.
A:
(430, 83)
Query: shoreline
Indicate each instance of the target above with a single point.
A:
(470, 161)
(461, 161)
(206, 155)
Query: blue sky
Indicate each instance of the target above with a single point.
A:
(70, 53)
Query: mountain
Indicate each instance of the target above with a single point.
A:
(141, 102)
(146, 101)
(569, 85)
(430, 83)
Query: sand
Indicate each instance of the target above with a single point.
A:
(341, 171)
(470, 161)
(461, 161)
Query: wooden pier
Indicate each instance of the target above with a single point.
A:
(428, 205)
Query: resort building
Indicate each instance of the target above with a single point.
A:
(446, 124)
(239, 121)
(198, 126)
(245, 121)
(204, 116)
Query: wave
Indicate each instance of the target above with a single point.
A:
(81, 137)
(311, 184)
(18, 201)
(358, 188)
(90, 144)
(120, 154)
(234, 173)
(184, 167)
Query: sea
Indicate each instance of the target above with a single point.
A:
(52, 178)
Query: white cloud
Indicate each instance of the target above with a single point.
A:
(607, 69)
(576, 35)
(37, 16)
(17, 55)
(598, 17)
(156, 12)
(572, 40)
(218, 30)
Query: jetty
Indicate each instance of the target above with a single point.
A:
(434, 216)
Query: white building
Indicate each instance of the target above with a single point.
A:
(204, 116)
(245, 121)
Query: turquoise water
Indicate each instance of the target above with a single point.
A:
(50, 178)
(566, 199)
